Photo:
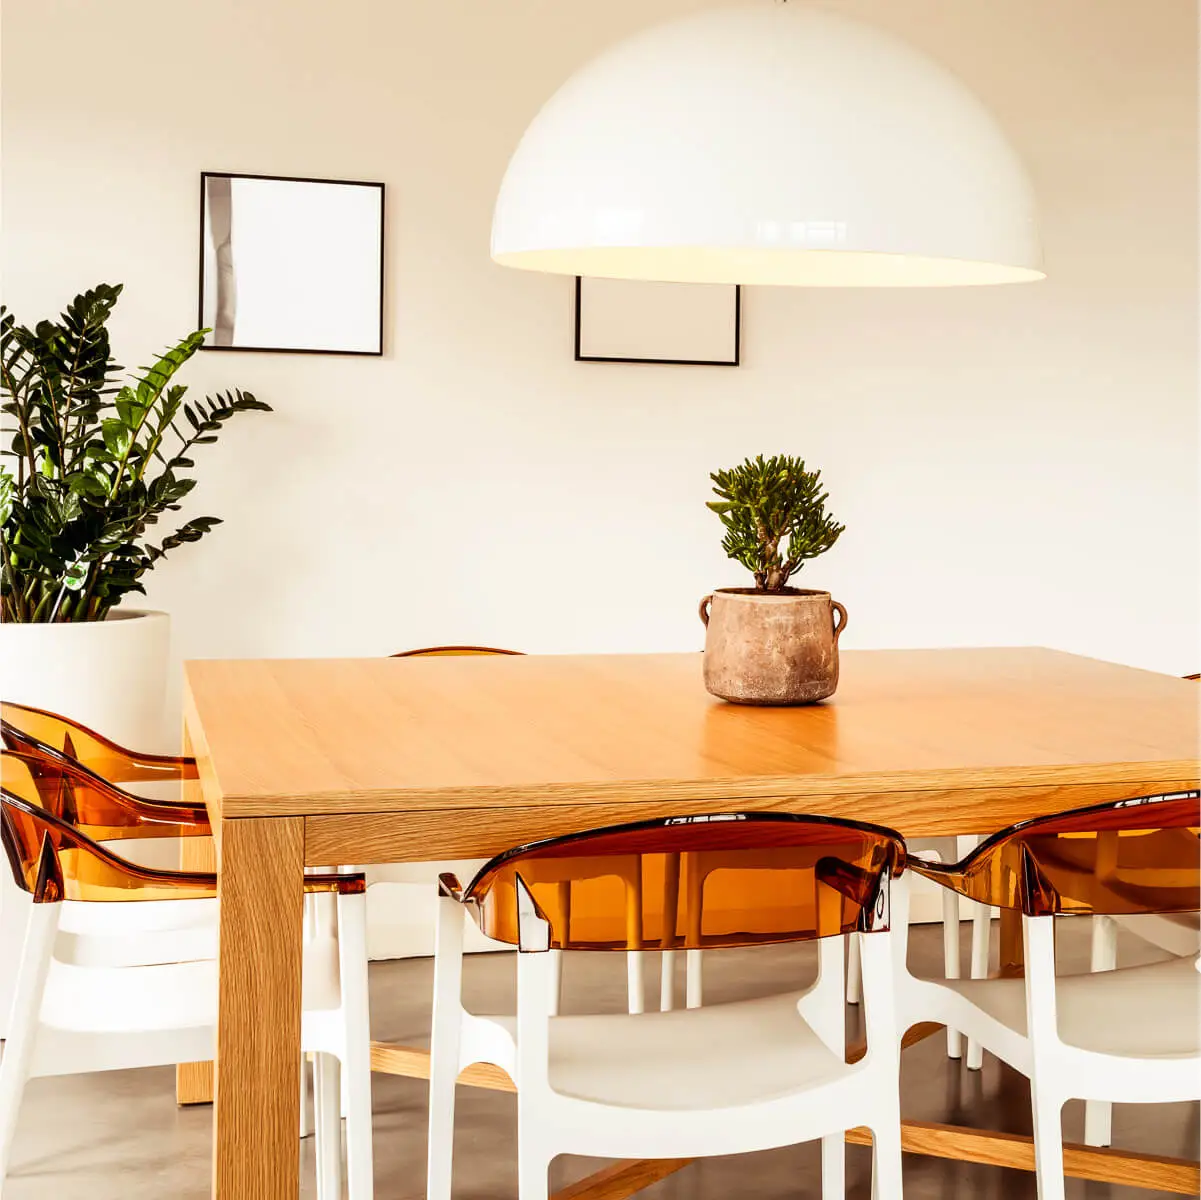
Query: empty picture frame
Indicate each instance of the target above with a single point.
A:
(634, 321)
(291, 264)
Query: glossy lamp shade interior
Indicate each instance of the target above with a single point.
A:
(695, 883)
(1133, 856)
(768, 144)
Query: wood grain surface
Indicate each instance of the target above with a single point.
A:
(336, 761)
(483, 832)
(257, 1110)
(1017, 1151)
(297, 737)
(621, 1179)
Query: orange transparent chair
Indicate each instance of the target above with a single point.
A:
(1177, 933)
(102, 810)
(402, 913)
(635, 986)
(427, 874)
(720, 1079)
(75, 779)
(81, 1005)
(1131, 1034)
(440, 651)
(36, 730)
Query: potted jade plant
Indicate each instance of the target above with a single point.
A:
(771, 643)
(90, 468)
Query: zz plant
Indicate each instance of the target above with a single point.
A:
(774, 512)
(95, 463)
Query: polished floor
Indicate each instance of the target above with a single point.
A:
(119, 1136)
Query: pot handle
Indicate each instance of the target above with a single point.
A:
(839, 626)
(706, 603)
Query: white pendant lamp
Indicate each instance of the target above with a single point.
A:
(767, 144)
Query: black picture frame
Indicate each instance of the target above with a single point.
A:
(677, 362)
(205, 176)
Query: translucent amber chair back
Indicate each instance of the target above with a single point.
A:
(695, 882)
(98, 809)
(52, 860)
(1132, 856)
(34, 729)
(443, 651)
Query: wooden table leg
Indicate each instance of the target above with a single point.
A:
(257, 1111)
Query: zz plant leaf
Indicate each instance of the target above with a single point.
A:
(774, 513)
(91, 464)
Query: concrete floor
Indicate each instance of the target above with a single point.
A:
(119, 1136)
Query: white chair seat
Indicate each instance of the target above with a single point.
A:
(166, 996)
(120, 999)
(77, 1018)
(1177, 933)
(720, 1056)
(134, 935)
(1136, 1012)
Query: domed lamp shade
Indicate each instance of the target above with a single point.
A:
(768, 144)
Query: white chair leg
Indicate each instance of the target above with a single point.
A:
(1098, 1114)
(1048, 1143)
(306, 1126)
(533, 1173)
(1098, 1123)
(445, 1042)
(360, 1168)
(667, 981)
(834, 1168)
(693, 989)
(950, 956)
(327, 1105)
(355, 1093)
(556, 982)
(14, 1071)
(14, 911)
(1048, 1081)
(886, 1160)
(40, 931)
(635, 981)
(981, 937)
(854, 972)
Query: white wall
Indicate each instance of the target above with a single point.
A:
(1014, 465)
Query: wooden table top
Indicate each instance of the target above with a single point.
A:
(292, 737)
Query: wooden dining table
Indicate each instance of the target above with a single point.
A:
(318, 762)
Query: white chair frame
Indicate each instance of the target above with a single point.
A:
(104, 986)
(1167, 932)
(952, 964)
(1042, 1035)
(552, 1122)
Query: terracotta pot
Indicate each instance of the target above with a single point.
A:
(771, 648)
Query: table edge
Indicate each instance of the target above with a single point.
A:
(1169, 774)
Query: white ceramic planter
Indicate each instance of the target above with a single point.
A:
(110, 675)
